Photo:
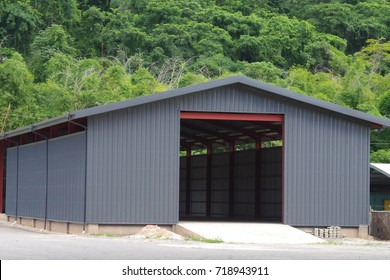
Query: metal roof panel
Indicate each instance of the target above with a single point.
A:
(234, 80)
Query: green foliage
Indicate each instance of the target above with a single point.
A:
(59, 56)
(16, 82)
(214, 66)
(283, 39)
(52, 99)
(191, 79)
(88, 34)
(46, 44)
(380, 156)
(262, 71)
(355, 21)
(18, 24)
(384, 104)
(64, 13)
(377, 53)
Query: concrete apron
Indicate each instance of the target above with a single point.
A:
(258, 233)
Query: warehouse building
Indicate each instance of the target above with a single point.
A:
(233, 149)
(380, 186)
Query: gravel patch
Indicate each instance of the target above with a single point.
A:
(152, 231)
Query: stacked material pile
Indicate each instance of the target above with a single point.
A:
(331, 232)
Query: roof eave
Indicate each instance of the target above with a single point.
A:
(36, 126)
(373, 121)
(376, 168)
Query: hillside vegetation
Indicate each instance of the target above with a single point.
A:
(59, 56)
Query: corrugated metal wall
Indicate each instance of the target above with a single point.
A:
(133, 166)
(326, 170)
(220, 185)
(32, 180)
(244, 185)
(133, 163)
(10, 195)
(271, 184)
(65, 180)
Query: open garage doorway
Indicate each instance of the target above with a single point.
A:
(231, 167)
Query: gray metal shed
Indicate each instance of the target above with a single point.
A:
(120, 163)
(379, 186)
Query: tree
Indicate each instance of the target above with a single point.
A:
(325, 53)
(377, 53)
(248, 48)
(355, 21)
(245, 7)
(191, 79)
(47, 43)
(143, 83)
(262, 71)
(18, 24)
(88, 35)
(104, 5)
(53, 99)
(283, 40)
(380, 156)
(214, 66)
(65, 13)
(121, 35)
(16, 84)
(384, 104)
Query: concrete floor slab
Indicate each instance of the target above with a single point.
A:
(257, 233)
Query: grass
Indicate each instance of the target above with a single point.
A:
(333, 242)
(104, 235)
(205, 240)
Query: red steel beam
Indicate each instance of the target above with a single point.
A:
(216, 134)
(231, 116)
(235, 128)
(283, 141)
(53, 131)
(200, 139)
(243, 131)
(184, 145)
(272, 127)
(71, 128)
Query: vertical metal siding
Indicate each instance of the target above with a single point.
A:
(10, 195)
(66, 178)
(326, 170)
(32, 180)
(133, 166)
(133, 162)
(65, 181)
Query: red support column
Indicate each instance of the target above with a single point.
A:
(23, 139)
(231, 178)
(208, 178)
(258, 178)
(2, 151)
(283, 142)
(53, 131)
(188, 181)
(71, 128)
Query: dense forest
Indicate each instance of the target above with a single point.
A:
(59, 56)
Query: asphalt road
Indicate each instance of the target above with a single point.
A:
(19, 243)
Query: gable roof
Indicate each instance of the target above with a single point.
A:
(380, 176)
(234, 80)
(383, 168)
